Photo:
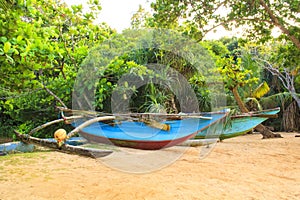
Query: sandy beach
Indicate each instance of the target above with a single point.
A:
(244, 167)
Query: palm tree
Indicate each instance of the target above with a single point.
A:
(252, 101)
(235, 76)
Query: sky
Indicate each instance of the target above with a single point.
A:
(117, 14)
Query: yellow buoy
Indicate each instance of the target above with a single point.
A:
(60, 136)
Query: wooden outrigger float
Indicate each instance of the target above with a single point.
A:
(63, 146)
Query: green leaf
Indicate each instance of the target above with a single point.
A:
(19, 38)
(10, 59)
(8, 105)
(3, 39)
(11, 50)
(16, 51)
(23, 54)
(6, 47)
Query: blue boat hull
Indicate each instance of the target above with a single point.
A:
(139, 135)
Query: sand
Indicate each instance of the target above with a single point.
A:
(244, 167)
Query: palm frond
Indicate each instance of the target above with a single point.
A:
(255, 101)
(261, 90)
(276, 100)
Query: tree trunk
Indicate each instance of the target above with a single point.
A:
(266, 133)
(296, 98)
(291, 118)
(239, 101)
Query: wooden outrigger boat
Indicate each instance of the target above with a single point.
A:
(133, 130)
(237, 125)
(142, 132)
(240, 124)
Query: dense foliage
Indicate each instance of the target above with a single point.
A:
(42, 44)
(154, 71)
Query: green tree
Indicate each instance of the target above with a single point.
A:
(140, 19)
(42, 44)
(235, 76)
(239, 73)
(258, 17)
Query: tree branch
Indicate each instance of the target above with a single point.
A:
(286, 79)
(71, 57)
(56, 97)
(233, 20)
(276, 22)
